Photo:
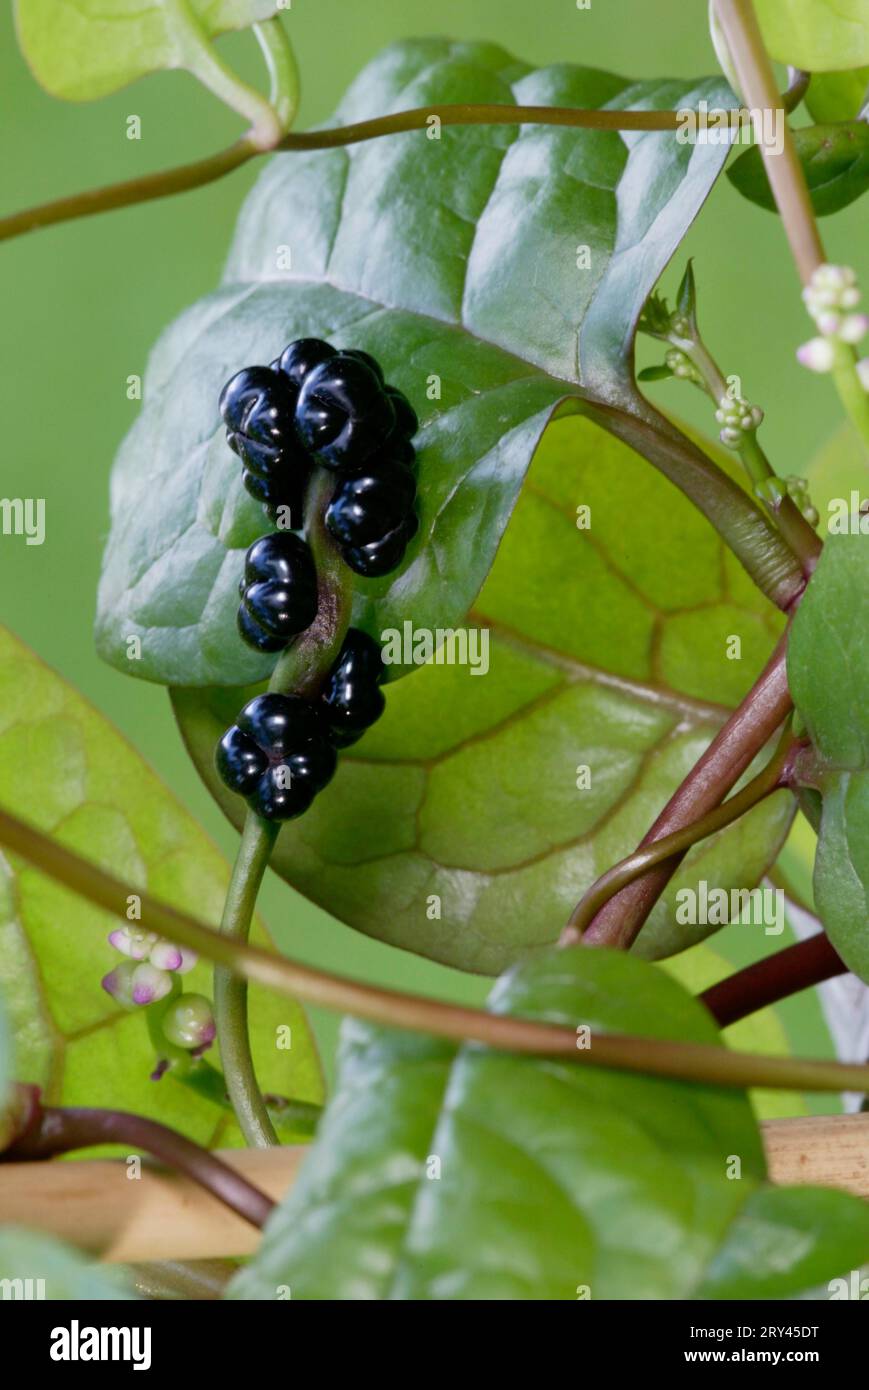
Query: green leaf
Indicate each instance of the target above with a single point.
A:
(66, 770)
(607, 650)
(84, 49)
(837, 96)
(818, 35)
(461, 263)
(835, 161)
(828, 673)
(469, 1174)
(787, 1241)
(6, 1061)
(828, 654)
(841, 881)
(42, 1267)
(657, 373)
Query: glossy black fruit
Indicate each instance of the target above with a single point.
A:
(258, 409)
(352, 699)
(344, 414)
(297, 360)
(277, 755)
(283, 498)
(406, 422)
(368, 504)
(278, 591)
(384, 555)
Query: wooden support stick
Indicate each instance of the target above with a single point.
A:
(158, 1216)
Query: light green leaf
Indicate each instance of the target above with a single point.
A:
(6, 1059)
(837, 96)
(456, 828)
(489, 271)
(835, 161)
(36, 1266)
(818, 35)
(66, 770)
(83, 49)
(473, 1175)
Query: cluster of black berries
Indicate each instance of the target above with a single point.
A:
(281, 750)
(317, 405)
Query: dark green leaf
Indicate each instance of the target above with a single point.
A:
(658, 373)
(608, 649)
(503, 263)
(835, 161)
(475, 1175)
(842, 867)
(82, 49)
(65, 769)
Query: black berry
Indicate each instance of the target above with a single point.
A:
(368, 504)
(297, 360)
(283, 499)
(406, 422)
(277, 755)
(343, 413)
(258, 407)
(352, 699)
(384, 555)
(278, 591)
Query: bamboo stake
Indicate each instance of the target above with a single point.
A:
(160, 1216)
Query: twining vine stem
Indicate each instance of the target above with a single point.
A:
(204, 171)
(646, 1056)
(53, 1130)
(772, 979)
(300, 670)
(620, 919)
(676, 844)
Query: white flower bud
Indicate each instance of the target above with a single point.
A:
(817, 354)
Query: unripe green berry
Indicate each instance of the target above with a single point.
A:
(189, 1022)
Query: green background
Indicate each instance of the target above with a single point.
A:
(84, 302)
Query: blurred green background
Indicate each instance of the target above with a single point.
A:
(83, 303)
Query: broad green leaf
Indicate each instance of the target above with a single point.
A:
(469, 1174)
(6, 1061)
(818, 35)
(83, 49)
(828, 673)
(835, 161)
(608, 649)
(787, 1241)
(828, 654)
(489, 270)
(837, 96)
(65, 769)
(34, 1266)
(842, 867)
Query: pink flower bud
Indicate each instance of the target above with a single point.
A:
(150, 984)
(165, 956)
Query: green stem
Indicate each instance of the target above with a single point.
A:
(230, 990)
(852, 393)
(204, 171)
(197, 54)
(799, 535)
(646, 1056)
(678, 842)
(620, 920)
(788, 184)
(282, 69)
